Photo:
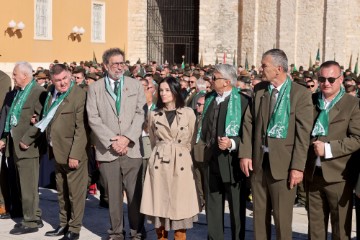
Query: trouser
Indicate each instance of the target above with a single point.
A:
(332, 200)
(124, 172)
(28, 169)
(216, 191)
(71, 186)
(270, 195)
(199, 171)
(3, 184)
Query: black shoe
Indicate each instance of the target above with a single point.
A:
(5, 216)
(39, 223)
(59, 231)
(23, 230)
(70, 236)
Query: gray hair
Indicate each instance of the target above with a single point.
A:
(279, 58)
(111, 52)
(227, 71)
(25, 68)
(201, 84)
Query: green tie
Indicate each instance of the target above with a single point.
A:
(116, 88)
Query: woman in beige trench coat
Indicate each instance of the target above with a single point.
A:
(169, 194)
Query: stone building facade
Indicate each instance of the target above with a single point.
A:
(240, 27)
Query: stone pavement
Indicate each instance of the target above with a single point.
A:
(96, 222)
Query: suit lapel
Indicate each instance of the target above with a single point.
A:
(110, 99)
(334, 111)
(60, 108)
(264, 106)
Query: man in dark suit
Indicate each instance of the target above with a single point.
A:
(115, 111)
(24, 140)
(282, 120)
(330, 174)
(5, 85)
(64, 121)
(222, 129)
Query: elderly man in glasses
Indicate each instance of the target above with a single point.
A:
(329, 168)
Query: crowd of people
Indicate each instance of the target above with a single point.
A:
(178, 140)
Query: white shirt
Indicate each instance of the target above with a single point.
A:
(112, 83)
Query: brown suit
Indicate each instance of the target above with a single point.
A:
(330, 187)
(27, 161)
(270, 177)
(67, 132)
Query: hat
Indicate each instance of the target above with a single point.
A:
(244, 79)
(350, 77)
(41, 75)
(149, 70)
(79, 69)
(100, 74)
(186, 74)
(244, 73)
(308, 74)
(92, 76)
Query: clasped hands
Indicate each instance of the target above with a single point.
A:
(120, 144)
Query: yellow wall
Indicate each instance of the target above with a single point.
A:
(65, 15)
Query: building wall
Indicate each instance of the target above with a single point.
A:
(65, 15)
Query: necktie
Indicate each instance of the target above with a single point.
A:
(272, 102)
(116, 88)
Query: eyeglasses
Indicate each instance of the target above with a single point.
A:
(310, 86)
(117, 64)
(330, 79)
(199, 104)
(150, 88)
(78, 77)
(215, 78)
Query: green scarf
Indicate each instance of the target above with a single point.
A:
(117, 97)
(321, 127)
(279, 121)
(49, 112)
(13, 116)
(57, 100)
(233, 114)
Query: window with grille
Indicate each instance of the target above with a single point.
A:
(98, 22)
(43, 20)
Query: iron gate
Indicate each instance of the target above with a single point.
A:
(173, 30)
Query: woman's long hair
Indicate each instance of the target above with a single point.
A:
(174, 86)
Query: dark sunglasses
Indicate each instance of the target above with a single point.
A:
(330, 79)
(310, 86)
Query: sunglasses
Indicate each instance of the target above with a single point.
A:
(330, 79)
(310, 86)
(199, 104)
(215, 78)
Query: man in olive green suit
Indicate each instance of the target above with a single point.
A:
(23, 142)
(64, 121)
(330, 170)
(223, 178)
(282, 120)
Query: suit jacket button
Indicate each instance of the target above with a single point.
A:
(156, 128)
(182, 169)
(179, 141)
(156, 167)
(180, 154)
(181, 128)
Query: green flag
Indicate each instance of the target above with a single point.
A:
(246, 63)
(234, 61)
(310, 61)
(294, 69)
(94, 58)
(318, 55)
(216, 60)
(350, 62)
(183, 64)
(356, 65)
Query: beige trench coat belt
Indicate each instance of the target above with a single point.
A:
(166, 149)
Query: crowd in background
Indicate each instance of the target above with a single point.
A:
(178, 121)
